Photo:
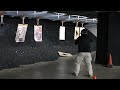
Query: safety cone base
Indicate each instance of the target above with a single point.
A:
(110, 66)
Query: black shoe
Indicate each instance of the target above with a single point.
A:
(75, 74)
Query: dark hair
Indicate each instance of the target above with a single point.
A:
(84, 31)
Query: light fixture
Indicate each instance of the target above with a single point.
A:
(42, 12)
(79, 17)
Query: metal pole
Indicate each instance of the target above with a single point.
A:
(78, 18)
(76, 24)
(62, 23)
(69, 16)
(23, 19)
(34, 13)
(82, 24)
(17, 12)
(58, 15)
(38, 21)
(2, 18)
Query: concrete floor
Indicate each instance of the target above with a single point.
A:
(60, 69)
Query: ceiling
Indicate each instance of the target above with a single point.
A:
(67, 16)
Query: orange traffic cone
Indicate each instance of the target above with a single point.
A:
(110, 65)
(94, 77)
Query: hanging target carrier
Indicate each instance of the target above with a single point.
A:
(1, 23)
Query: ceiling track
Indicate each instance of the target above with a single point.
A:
(54, 16)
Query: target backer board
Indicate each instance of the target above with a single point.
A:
(62, 33)
(38, 33)
(77, 33)
(21, 32)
